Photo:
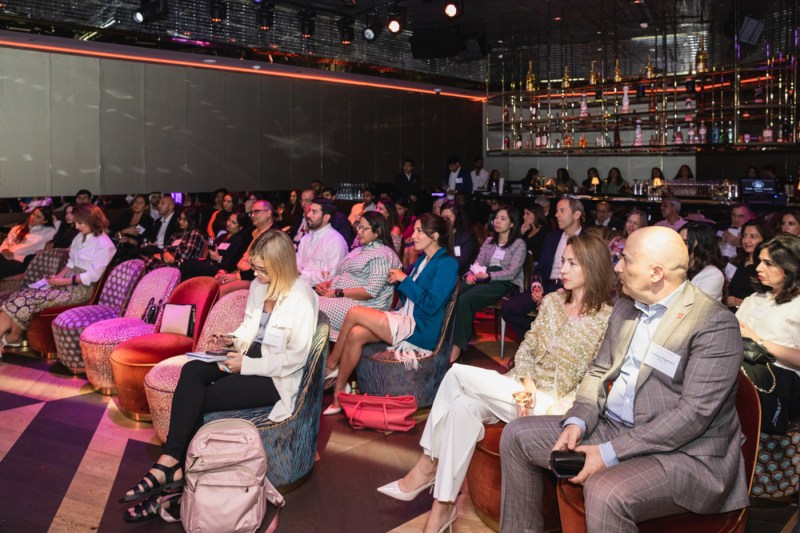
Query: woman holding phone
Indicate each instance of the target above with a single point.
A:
(271, 349)
(550, 363)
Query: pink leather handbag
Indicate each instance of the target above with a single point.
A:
(387, 413)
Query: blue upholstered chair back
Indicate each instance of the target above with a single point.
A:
(291, 444)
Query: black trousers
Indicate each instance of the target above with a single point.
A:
(203, 388)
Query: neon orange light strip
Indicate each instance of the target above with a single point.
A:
(175, 62)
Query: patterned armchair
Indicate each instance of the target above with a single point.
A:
(778, 464)
(291, 444)
(132, 360)
(114, 298)
(159, 384)
(99, 339)
(45, 263)
(379, 373)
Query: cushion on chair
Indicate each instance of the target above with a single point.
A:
(151, 349)
(115, 330)
(202, 292)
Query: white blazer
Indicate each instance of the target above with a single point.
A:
(294, 320)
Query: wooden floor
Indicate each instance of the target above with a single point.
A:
(67, 454)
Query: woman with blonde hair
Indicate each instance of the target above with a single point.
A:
(550, 363)
(265, 365)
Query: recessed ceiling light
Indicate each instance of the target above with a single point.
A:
(643, 25)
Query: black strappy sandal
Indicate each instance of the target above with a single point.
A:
(141, 490)
(144, 510)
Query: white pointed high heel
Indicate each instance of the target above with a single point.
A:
(449, 524)
(393, 490)
(331, 410)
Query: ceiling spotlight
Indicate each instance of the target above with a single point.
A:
(454, 9)
(151, 10)
(307, 22)
(217, 10)
(397, 18)
(265, 15)
(347, 30)
(373, 27)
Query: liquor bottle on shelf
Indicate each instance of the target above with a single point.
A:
(691, 135)
(593, 76)
(703, 133)
(626, 100)
(648, 68)
(565, 78)
(530, 78)
(518, 143)
(533, 111)
(505, 113)
(785, 131)
(617, 72)
(637, 136)
(677, 140)
(582, 142)
(653, 102)
(689, 108)
(766, 135)
(506, 143)
(701, 58)
(529, 140)
(729, 132)
(617, 138)
(584, 106)
(567, 140)
(722, 133)
(537, 141)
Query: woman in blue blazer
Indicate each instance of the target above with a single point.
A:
(413, 330)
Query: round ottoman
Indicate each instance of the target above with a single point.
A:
(99, 340)
(777, 465)
(67, 330)
(159, 385)
(133, 359)
(484, 480)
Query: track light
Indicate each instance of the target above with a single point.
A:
(265, 15)
(397, 18)
(347, 30)
(373, 27)
(454, 9)
(307, 22)
(151, 10)
(217, 10)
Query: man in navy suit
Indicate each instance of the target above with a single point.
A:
(458, 179)
(569, 214)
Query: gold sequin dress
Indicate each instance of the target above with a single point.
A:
(557, 350)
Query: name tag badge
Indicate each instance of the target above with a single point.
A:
(499, 254)
(224, 246)
(457, 251)
(459, 180)
(276, 338)
(662, 360)
(139, 229)
(730, 270)
(176, 242)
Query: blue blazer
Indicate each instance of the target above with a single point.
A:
(466, 180)
(430, 293)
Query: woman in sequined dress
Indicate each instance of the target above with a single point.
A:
(550, 363)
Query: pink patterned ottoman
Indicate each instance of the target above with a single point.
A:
(100, 339)
(159, 385)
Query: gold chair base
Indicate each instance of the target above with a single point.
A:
(138, 417)
(49, 355)
(105, 391)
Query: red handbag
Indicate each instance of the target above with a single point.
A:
(387, 413)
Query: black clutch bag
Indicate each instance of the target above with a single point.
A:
(755, 353)
(566, 464)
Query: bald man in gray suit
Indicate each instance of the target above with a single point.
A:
(655, 413)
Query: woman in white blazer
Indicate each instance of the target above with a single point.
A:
(271, 349)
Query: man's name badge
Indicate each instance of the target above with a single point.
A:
(662, 360)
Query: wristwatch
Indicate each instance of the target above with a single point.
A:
(339, 293)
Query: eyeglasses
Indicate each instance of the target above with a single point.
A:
(259, 270)
(363, 228)
(254, 212)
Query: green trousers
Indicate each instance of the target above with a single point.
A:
(471, 299)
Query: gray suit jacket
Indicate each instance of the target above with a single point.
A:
(688, 422)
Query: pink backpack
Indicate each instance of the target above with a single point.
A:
(226, 480)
